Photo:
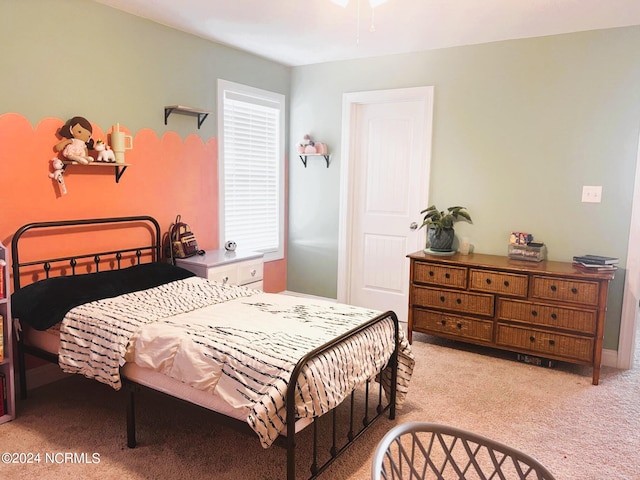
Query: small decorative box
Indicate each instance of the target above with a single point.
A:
(527, 252)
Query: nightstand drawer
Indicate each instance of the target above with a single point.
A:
(498, 282)
(249, 272)
(227, 274)
(459, 301)
(232, 268)
(545, 342)
(440, 275)
(577, 291)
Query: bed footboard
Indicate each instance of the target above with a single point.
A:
(335, 450)
(356, 425)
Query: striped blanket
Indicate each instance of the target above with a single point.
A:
(239, 343)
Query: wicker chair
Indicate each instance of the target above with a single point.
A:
(422, 450)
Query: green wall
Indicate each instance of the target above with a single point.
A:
(519, 127)
(62, 58)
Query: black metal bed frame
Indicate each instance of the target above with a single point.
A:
(154, 249)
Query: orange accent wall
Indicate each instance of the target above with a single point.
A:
(167, 176)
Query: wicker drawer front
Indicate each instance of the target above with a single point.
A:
(576, 291)
(499, 282)
(568, 346)
(477, 303)
(440, 275)
(468, 328)
(549, 315)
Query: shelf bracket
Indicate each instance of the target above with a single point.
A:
(119, 172)
(304, 158)
(167, 112)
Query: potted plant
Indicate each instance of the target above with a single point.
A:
(439, 225)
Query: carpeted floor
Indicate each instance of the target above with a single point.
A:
(579, 431)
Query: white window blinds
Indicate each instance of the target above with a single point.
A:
(251, 169)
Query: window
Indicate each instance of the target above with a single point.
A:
(251, 168)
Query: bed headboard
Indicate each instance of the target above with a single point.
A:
(94, 259)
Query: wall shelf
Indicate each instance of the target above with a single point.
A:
(119, 167)
(303, 157)
(201, 114)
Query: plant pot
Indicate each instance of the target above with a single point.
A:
(441, 242)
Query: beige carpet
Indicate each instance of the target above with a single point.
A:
(579, 431)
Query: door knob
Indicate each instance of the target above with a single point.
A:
(413, 226)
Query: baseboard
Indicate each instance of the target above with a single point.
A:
(306, 295)
(609, 358)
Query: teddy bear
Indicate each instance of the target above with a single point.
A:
(105, 154)
(77, 140)
(58, 170)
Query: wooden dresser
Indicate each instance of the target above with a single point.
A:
(547, 309)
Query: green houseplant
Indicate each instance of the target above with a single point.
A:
(439, 225)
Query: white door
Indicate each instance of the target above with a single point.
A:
(386, 186)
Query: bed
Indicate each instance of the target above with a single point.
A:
(125, 318)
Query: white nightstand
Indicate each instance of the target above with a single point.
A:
(234, 268)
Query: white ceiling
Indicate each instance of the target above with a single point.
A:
(302, 32)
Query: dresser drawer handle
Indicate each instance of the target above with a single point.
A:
(574, 290)
(534, 313)
(532, 339)
(253, 272)
(554, 316)
(431, 274)
(443, 322)
(552, 342)
(488, 280)
(442, 299)
(459, 325)
(447, 275)
(506, 283)
(458, 301)
(553, 288)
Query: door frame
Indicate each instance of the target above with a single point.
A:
(350, 102)
(631, 296)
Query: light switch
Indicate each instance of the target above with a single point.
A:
(592, 194)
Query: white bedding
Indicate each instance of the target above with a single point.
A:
(241, 343)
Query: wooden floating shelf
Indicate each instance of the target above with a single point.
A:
(201, 114)
(119, 167)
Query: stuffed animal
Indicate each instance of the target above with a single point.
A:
(309, 144)
(105, 154)
(58, 170)
(77, 140)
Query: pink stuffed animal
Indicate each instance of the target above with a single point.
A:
(58, 170)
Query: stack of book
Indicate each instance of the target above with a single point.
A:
(595, 263)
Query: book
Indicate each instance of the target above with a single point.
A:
(596, 259)
(1, 338)
(594, 267)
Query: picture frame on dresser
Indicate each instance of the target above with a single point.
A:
(548, 309)
(7, 385)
